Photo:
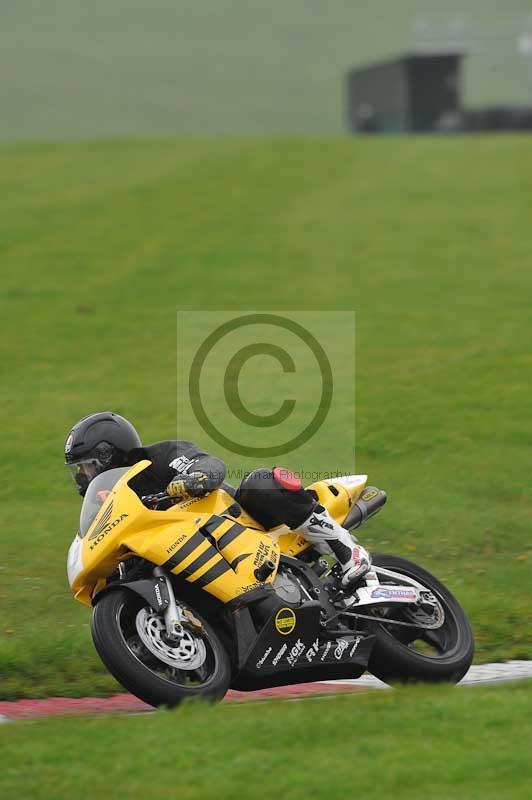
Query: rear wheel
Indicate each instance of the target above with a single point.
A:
(131, 641)
(409, 654)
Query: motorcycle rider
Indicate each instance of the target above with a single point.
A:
(273, 497)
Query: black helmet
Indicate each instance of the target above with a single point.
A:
(97, 443)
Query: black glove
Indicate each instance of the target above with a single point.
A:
(193, 485)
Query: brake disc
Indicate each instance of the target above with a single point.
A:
(189, 653)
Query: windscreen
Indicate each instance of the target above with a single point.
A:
(96, 496)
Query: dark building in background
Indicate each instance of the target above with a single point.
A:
(421, 93)
(418, 93)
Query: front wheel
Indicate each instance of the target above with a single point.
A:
(130, 639)
(403, 654)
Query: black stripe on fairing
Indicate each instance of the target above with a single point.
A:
(213, 573)
(195, 540)
(198, 562)
(230, 535)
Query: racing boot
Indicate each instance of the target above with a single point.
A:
(322, 529)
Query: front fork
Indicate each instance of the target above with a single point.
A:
(173, 615)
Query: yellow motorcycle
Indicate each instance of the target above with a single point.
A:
(195, 598)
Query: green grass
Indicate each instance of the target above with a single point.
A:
(128, 68)
(428, 240)
(465, 744)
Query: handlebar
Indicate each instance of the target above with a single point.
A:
(153, 499)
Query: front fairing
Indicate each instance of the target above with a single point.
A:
(109, 506)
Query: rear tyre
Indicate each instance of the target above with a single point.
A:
(122, 625)
(446, 653)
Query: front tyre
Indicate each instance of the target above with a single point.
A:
(129, 638)
(402, 654)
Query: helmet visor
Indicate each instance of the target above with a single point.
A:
(83, 472)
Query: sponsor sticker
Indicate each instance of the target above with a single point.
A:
(326, 651)
(369, 494)
(250, 586)
(312, 651)
(176, 543)
(295, 652)
(262, 554)
(355, 645)
(285, 621)
(394, 594)
(100, 533)
(158, 594)
(341, 647)
(263, 658)
(189, 502)
(278, 656)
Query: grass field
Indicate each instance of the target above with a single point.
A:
(468, 744)
(429, 240)
(128, 68)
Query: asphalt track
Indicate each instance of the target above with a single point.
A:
(126, 703)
